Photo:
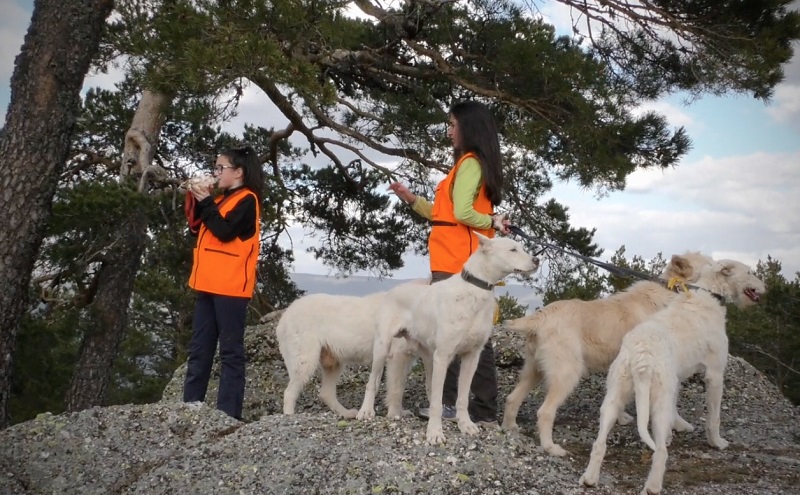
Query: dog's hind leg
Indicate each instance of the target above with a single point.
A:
(331, 371)
(714, 383)
(529, 379)
(609, 411)
(560, 384)
(662, 418)
(469, 363)
(617, 396)
(301, 368)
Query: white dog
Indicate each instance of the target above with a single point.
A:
(449, 318)
(328, 332)
(566, 339)
(682, 339)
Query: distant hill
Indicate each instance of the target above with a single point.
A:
(361, 286)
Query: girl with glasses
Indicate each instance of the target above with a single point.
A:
(223, 274)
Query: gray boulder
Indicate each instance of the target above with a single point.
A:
(171, 447)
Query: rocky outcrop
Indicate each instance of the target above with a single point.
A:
(171, 447)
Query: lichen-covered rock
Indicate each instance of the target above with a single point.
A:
(171, 447)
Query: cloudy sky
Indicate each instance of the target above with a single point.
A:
(735, 195)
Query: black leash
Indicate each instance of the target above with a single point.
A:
(614, 269)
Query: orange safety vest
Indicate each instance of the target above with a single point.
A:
(226, 268)
(451, 243)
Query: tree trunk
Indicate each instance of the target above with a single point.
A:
(62, 39)
(108, 312)
(107, 315)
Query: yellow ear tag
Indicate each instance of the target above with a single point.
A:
(678, 282)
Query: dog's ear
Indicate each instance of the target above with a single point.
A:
(725, 268)
(483, 239)
(679, 266)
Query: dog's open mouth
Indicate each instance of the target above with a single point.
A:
(752, 294)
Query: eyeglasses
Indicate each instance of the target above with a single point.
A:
(218, 169)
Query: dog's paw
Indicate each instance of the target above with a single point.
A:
(435, 436)
(719, 443)
(624, 419)
(589, 478)
(350, 413)
(468, 427)
(399, 413)
(365, 414)
(555, 450)
(681, 425)
(650, 491)
(510, 426)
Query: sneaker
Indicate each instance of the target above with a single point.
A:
(448, 412)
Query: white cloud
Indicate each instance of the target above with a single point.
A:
(12, 32)
(786, 105)
(104, 80)
(737, 207)
(675, 115)
(13, 25)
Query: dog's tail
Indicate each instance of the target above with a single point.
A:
(642, 379)
(525, 326)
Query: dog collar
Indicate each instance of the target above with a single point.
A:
(678, 285)
(718, 297)
(468, 277)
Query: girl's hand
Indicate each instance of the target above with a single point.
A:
(501, 223)
(402, 192)
(200, 191)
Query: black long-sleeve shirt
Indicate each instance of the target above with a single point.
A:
(239, 222)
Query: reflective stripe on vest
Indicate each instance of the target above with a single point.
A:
(451, 243)
(226, 268)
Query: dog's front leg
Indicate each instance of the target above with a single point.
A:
(427, 364)
(380, 350)
(714, 384)
(397, 370)
(469, 363)
(441, 360)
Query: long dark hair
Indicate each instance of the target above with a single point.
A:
(478, 134)
(246, 159)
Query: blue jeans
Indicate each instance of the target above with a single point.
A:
(217, 319)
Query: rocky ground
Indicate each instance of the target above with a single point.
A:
(170, 447)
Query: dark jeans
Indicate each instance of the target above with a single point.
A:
(217, 318)
(483, 397)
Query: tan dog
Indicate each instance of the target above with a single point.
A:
(675, 343)
(567, 339)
